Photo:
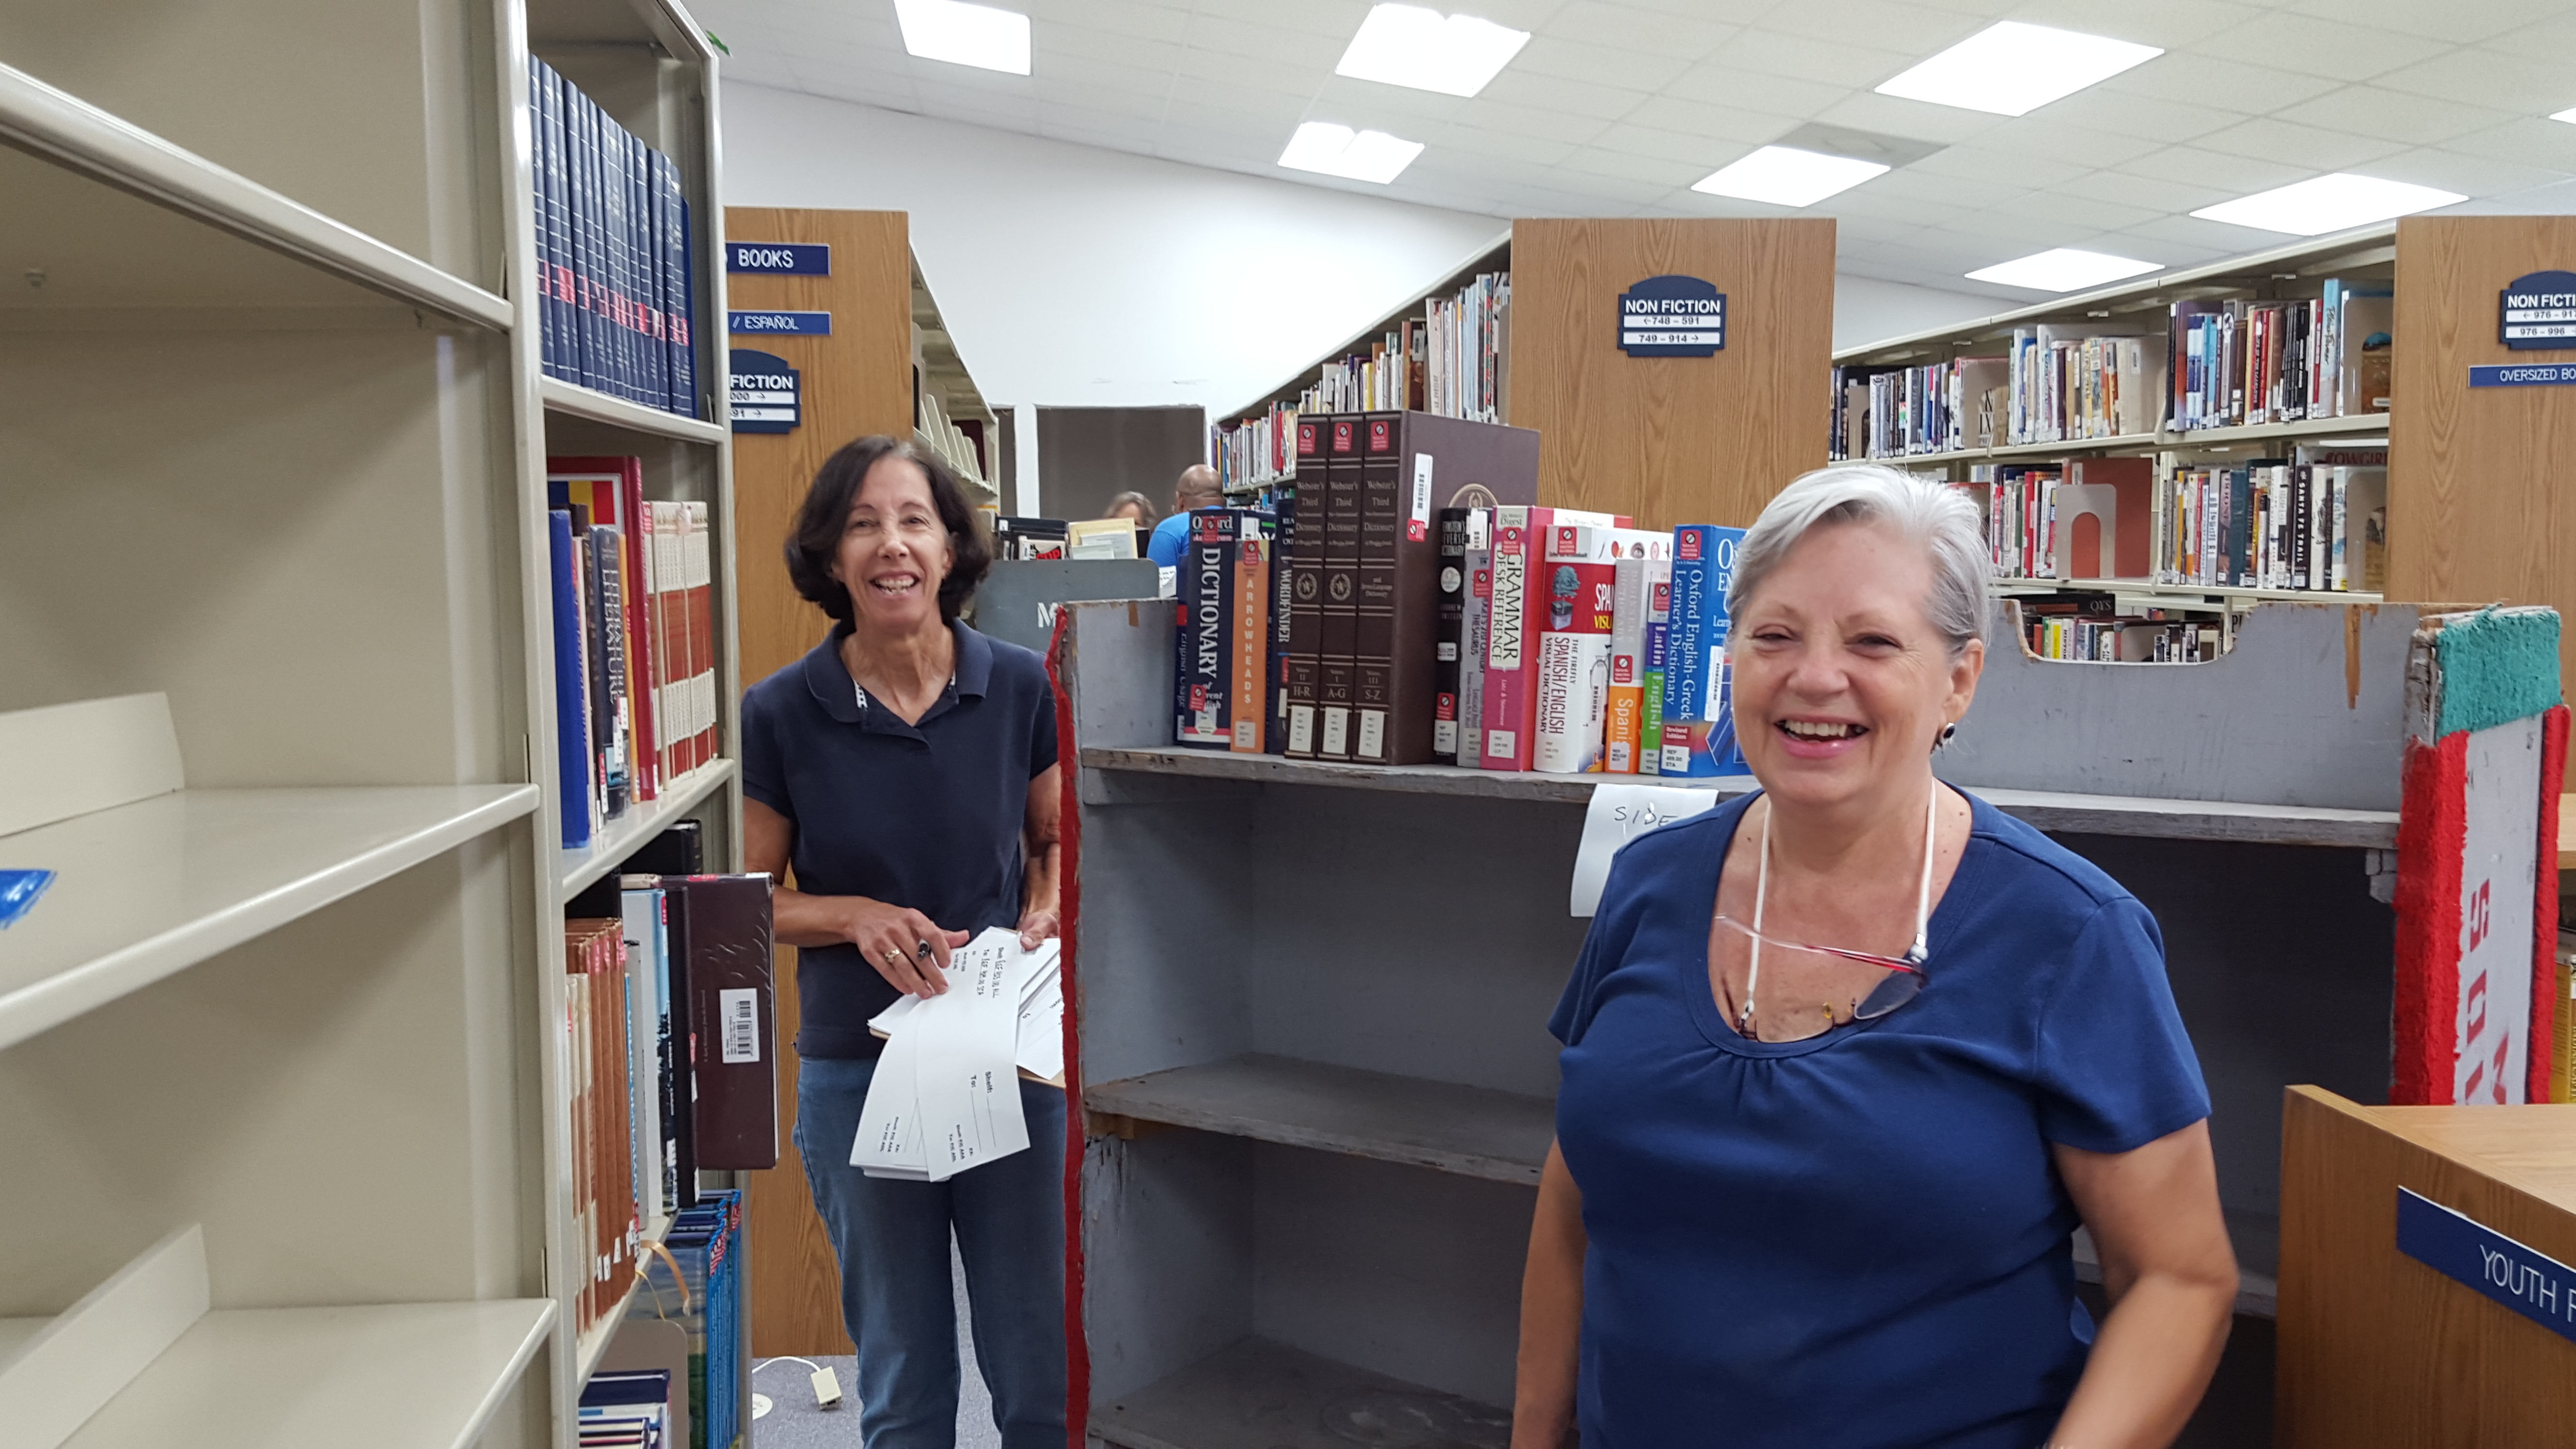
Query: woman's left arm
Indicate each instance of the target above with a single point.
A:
(1041, 837)
(2170, 1274)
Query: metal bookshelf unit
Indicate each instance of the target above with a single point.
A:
(281, 1060)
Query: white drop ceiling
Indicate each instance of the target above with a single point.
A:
(1615, 109)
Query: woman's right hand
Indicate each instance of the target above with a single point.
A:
(893, 939)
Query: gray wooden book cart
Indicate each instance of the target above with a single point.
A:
(1313, 1002)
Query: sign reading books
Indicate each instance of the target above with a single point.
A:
(2461, 1248)
(781, 324)
(779, 259)
(2539, 313)
(1672, 317)
(767, 393)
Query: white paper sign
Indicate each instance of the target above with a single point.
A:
(1617, 813)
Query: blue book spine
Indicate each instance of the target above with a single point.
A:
(572, 672)
(544, 94)
(621, 155)
(687, 339)
(1698, 727)
(603, 375)
(585, 245)
(648, 255)
(612, 211)
(543, 217)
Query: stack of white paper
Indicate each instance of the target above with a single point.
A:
(946, 1094)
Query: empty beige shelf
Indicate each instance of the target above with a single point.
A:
(397, 1376)
(573, 399)
(151, 888)
(1471, 1131)
(621, 837)
(72, 180)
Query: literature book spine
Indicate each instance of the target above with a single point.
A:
(599, 574)
(1475, 635)
(644, 760)
(1657, 643)
(1448, 631)
(700, 561)
(572, 727)
(1248, 651)
(1504, 730)
(1201, 686)
(1306, 580)
(1374, 646)
(1283, 590)
(1572, 683)
(1699, 733)
(1341, 584)
(1624, 723)
(2302, 525)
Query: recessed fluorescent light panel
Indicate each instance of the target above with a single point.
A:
(2568, 115)
(1786, 176)
(2063, 270)
(962, 34)
(2012, 69)
(1336, 151)
(2328, 203)
(1406, 45)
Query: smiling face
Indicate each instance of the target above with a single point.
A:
(894, 550)
(1841, 684)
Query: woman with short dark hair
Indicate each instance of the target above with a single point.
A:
(906, 770)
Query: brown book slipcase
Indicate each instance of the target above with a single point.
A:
(733, 1015)
(1335, 665)
(1304, 537)
(1412, 465)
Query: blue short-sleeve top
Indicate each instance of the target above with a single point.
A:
(1859, 1239)
(928, 816)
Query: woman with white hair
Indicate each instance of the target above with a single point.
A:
(1848, 1060)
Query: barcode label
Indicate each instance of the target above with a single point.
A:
(739, 1010)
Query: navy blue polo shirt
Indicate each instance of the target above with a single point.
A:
(927, 816)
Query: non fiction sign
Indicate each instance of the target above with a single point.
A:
(2538, 313)
(767, 394)
(1672, 317)
(781, 324)
(2461, 1248)
(779, 259)
(2525, 374)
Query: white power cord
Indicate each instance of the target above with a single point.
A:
(827, 1385)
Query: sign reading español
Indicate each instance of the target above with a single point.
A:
(2461, 1248)
(2538, 313)
(766, 393)
(781, 324)
(1672, 317)
(779, 259)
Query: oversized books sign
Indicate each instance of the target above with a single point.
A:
(2538, 313)
(1672, 317)
(766, 393)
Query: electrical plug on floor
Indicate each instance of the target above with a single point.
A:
(827, 1389)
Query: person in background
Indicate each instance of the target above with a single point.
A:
(1136, 508)
(906, 769)
(1847, 1062)
(1199, 487)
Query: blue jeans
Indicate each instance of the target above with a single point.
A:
(896, 1296)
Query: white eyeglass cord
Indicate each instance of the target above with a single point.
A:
(1762, 890)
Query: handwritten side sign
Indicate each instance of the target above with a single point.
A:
(2461, 1248)
(1619, 813)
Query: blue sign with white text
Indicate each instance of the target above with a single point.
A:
(2525, 374)
(781, 324)
(1672, 317)
(779, 259)
(2539, 313)
(767, 394)
(2531, 1283)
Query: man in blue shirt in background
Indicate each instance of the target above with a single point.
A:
(1198, 487)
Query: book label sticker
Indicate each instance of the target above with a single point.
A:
(738, 1013)
(779, 259)
(2467, 1251)
(782, 324)
(1672, 317)
(766, 393)
(1617, 813)
(2538, 313)
(1417, 523)
(2525, 374)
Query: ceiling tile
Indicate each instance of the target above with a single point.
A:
(2076, 145)
(1073, 45)
(1269, 43)
(2149, 118)
(1757, 90)
(2288, 143)
(1252, 74)
(1644, 31)
(1915, 120)
(2147, 193)
(2457, 23)
(2106, 216)
(2224, 82)
(2393, 115)
(1555, 93)
(1919, 30)
(1866, 202)
(1335, 20)
(1980, 163)
(1524, 151)
(2312, 46)
(1115, 17)
(2472, 175)
(1930, 186)
(2537, 83)
(1549, 125)
(1602, 65)
(2528, 142)
(1638, 140)
(1626, 166)
(2235, 175)
(1806, 58)
(1713, 123)
(2215, 238)
(2170, 24)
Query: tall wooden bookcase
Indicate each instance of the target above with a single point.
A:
(275, 436)
(1312, 1002)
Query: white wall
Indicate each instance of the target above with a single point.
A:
(1867, 309)
(1075, 276)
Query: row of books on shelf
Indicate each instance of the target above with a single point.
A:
(2221, 363)
(694, 1278)
(2315, 522)
(1375, 618)
(1451, 362)
(669, 1056)
(614, 249)
(627, 1409)
(634, 632)
(961, 450)
(2092, 631)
